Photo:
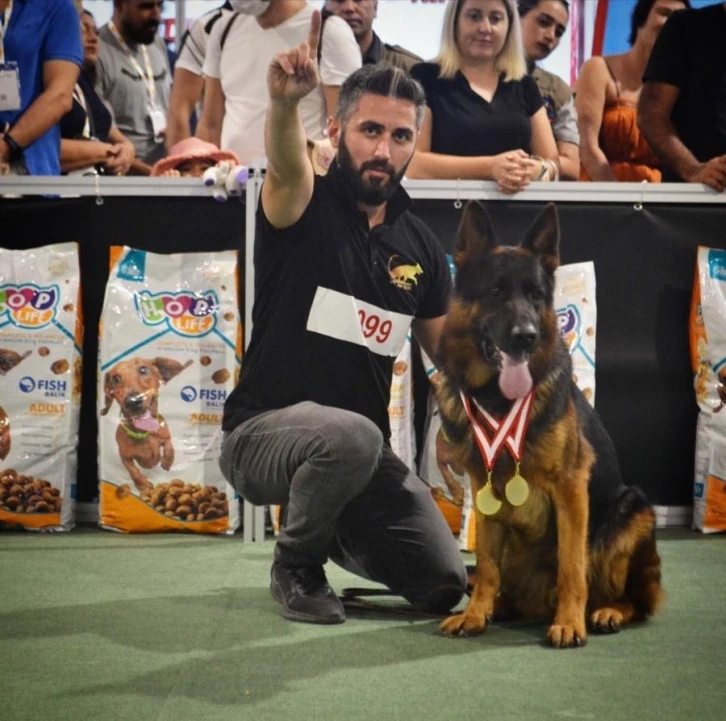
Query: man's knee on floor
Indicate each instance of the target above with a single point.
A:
(442, 591)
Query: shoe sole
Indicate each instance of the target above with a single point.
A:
(296, 615)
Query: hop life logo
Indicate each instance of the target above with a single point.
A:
(568, 320)
(185, 313)
(29, 305)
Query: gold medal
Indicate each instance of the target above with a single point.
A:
(487, 502)
(517, 489)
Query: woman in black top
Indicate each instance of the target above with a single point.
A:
(485, 116)
(89, 138)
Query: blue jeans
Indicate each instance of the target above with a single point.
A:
(349, 498)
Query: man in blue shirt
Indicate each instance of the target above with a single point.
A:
(40, 50)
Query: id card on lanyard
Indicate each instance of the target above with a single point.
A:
(9, 75)
(157, 115)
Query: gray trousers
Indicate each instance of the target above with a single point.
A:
(349, 498)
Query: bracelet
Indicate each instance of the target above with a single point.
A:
(555, 166)
(15, 150)
(544, 173)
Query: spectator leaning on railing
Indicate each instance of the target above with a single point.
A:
(612, 146)
(485, 114)
(682, 108)
(134, 77)
(90, 141)
(543, 24)
(40, 56)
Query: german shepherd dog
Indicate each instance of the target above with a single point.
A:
(581, 547)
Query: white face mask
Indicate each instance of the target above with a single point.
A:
(250, 7)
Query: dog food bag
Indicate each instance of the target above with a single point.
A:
(577, 319)
(708, 359)
(400, 408)
(576, 308)
(169, 354)
(41, 335)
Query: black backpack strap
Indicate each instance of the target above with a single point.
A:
(225, 32)
(325, 14)
(212, 22)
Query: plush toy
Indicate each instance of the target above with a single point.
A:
(226, 180)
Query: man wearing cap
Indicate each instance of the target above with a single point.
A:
(359, 14)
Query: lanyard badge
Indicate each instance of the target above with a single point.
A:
(156, 114)
(9, 75)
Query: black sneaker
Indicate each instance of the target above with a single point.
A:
(304, 594)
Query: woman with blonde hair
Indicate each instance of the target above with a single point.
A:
(485, 117)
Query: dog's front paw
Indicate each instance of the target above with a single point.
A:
(463, 625)
(567, 635)
(606, 620)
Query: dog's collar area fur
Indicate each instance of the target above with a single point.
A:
(136, 435)
(139, 435)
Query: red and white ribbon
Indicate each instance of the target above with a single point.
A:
(510, 430)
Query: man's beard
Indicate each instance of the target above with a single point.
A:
(369, 191)
(143, 35)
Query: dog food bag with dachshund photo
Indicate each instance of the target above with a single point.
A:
(708, 358)
(576, 308)
(41, 336)
(170, 351)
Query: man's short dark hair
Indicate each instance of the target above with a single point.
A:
(524, 6)
(640, 16)
(380, 79)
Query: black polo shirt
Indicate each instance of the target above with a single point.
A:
(690, 53)
(465, 124)
(334, 302)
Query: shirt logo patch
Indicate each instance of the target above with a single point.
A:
(403, 275)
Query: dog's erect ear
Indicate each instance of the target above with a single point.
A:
(543, 238)
(108, 397)
(168, 368)
(476, 234)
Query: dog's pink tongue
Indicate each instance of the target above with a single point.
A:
(514, 378)
(146, 422)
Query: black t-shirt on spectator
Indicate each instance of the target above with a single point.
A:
(72, 123)
(690, 54)
(465, 124)
(334, 301)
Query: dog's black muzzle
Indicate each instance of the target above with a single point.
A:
(134, 403)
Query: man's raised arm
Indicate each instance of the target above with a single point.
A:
(288, 185)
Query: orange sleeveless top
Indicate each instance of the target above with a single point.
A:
(629, 154)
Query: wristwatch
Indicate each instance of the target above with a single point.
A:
(15, 150)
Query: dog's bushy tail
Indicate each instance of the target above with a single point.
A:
(643, 585)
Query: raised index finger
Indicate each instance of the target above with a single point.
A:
(314, 36)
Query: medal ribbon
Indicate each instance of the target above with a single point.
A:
(148, 76)
(517, 417)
